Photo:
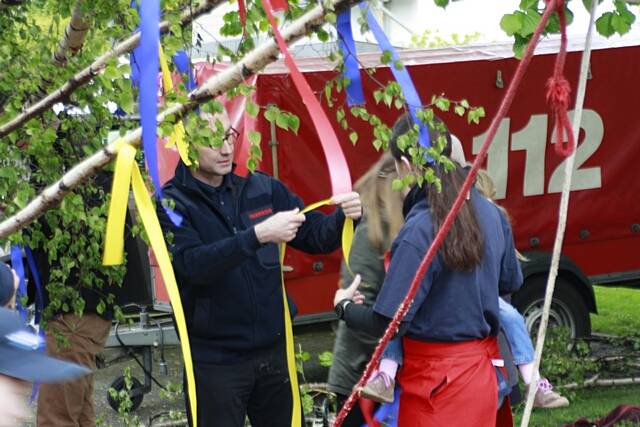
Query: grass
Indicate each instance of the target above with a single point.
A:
(617, 314)
(617, 311)
(591, 403)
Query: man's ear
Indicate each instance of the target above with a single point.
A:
(406, 163)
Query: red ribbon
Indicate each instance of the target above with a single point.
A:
(242, 11)
(279, 5)
(338, 168)
(558, 91)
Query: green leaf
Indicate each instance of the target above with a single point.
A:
(330, 18)
(252, 108)
(254, 137)
(377, 95)
(256, 152)
(271, 114)
(441, 3)
(604, 26)
(529, 23)
(282, 121)
(252, 165)
(512, 23)
(459, 110)
(528, 4)
(294, 123)
(464, 103)
(353, 136)
(397, 184)
(619, 25)
(386, 57)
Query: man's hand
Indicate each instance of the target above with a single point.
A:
(350, 204)
(280, 228)
(348, 293)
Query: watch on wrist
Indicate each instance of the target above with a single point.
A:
(341, 306)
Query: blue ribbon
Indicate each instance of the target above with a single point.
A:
(355, 95)
(402, 77)
(39, 308)
(388, 413)
(183, 65)
(18, 266)
(147, 54)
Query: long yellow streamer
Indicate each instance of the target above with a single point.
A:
(347, 239)
(177, 137)
(126, 173)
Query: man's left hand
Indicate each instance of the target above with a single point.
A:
(350, 204)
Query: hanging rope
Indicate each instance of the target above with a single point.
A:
(437, 241)
(562, 215)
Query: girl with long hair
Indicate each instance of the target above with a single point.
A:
(449, 333)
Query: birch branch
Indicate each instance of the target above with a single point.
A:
(74, 36)
(84, 76)
(219, 83)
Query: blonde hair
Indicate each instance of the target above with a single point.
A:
(382, 204)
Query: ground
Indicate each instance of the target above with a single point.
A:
(617, 315)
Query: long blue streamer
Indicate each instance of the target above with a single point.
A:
(147, 56)
(183, 65)
(18, 266)
(39, 308)
(402, 76)
(355, 94)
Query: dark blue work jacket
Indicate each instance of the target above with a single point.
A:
(450, 305)
(230, 283)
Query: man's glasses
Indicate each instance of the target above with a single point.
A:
(230, 136)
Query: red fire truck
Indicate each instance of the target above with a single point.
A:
(602, 243)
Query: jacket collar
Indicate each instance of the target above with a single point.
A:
(185, 179)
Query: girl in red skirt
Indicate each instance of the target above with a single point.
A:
(449, 333)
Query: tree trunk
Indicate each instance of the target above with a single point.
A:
(253, 62)
(85, 76)
(74, 36)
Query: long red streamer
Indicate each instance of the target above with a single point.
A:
(466, 186)
(338, 168)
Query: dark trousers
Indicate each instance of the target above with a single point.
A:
(258, 388)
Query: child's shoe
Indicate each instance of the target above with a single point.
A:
(546, 398)
(379, 388)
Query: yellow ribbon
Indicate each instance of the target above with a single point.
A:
(177, 137)
(347, 239)
(127, 173)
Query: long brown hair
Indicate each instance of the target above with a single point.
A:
(463, 247)
(382, 205)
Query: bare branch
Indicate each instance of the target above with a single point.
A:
(253, 62)
(84, 76)
(74, 36)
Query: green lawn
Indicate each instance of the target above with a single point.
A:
(619, 313)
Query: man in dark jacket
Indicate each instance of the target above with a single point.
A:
(226, 260)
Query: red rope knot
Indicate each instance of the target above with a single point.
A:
(558, 91)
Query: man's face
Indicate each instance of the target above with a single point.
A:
(218, 161)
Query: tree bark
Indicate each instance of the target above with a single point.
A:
(74, 36)
(84, 76)
(219, 83)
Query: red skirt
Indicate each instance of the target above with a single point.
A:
(449, 384)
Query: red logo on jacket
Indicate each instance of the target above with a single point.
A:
(260, 213)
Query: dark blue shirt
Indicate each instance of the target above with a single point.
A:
(451, 305)
(221, 196)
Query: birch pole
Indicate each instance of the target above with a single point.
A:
(84, 76)
(252, 62)
(74, 36)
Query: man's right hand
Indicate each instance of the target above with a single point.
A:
(280, 228)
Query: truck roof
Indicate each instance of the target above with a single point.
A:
(471, 52)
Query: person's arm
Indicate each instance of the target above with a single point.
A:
(200, 262)
(510, 271)
(320, 233)
(363, 318)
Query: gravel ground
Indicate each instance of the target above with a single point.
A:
(314, 339)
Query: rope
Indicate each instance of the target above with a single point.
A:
(562, 215)
(466, 186)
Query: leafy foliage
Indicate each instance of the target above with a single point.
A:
(521, 23)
